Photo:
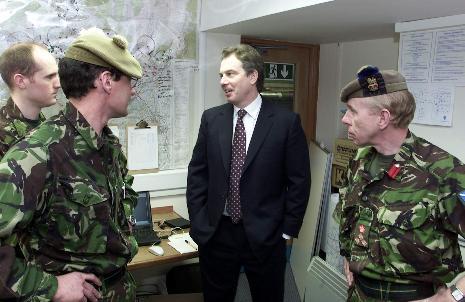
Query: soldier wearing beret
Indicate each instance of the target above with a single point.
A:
(65, 190)
(401, 211)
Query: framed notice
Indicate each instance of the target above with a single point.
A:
(142, 149)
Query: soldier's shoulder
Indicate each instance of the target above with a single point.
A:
(433, 157)
(49, 132)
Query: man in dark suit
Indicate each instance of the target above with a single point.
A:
(248, 184)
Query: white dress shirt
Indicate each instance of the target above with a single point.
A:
(250, 119)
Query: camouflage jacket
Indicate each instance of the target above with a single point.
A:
(403, 226)
(67, 193)
(14, 126)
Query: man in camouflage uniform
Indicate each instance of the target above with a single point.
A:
(65, 187)
(31, 74)
(400, 214)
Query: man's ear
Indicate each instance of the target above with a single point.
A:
(105, 80)
(20, 81)
(384, 118)
(253, 77)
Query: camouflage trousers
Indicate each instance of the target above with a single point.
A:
(355, 294)
(122, 290)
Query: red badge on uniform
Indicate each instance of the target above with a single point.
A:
(393, 171)
(361, 228)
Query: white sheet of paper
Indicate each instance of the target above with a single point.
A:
(183, 243)
(142, 148)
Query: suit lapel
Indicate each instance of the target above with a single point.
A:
(225, 135)
(262, 127)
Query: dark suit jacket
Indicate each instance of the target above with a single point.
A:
(275, 181)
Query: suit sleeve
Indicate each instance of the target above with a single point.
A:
(298, 178)
(197, 174)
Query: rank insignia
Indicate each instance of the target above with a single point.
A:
(360, 240)
(361, 228)
(393, 171)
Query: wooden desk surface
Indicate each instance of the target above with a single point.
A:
(146, 259)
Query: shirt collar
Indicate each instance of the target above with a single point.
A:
(406, 149)
(18, 119)
(253, 109)
(77, 120)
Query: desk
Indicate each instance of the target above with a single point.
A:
(146, 259)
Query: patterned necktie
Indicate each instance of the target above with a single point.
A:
(237, 161)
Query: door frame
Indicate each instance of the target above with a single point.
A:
(305, 106)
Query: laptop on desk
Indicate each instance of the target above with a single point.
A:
(143, 229)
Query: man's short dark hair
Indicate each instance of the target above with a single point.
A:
(251, 60)
(18, 58)
(77, 78)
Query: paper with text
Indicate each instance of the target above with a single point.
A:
(142, 148)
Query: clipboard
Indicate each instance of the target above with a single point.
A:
(142, 148)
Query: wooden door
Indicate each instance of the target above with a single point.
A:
(305, 58)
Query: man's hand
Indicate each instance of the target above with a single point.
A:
(348, 273)
(77, 287)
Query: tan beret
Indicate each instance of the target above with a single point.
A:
(95, 47)
(371, 82)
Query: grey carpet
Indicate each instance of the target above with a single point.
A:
(290, 289)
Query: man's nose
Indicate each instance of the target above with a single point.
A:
(345, 118)
(57, 83)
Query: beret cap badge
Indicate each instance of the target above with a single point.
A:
(372, 84)
(371, 81)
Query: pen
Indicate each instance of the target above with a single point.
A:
(187, 241)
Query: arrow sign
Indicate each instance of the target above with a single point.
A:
(279, 71)
(284, 72)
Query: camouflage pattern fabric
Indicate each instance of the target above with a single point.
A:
(357, 295)
(14, 126)
(403, 227)
(67, 192)
(124, 290)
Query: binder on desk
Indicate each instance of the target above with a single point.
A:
(142, 148)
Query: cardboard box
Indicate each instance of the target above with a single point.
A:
(344, 151)
(338, 176)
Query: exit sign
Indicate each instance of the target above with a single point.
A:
(279, 71)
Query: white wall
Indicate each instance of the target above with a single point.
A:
(450, 139)
(210, 66)
(339, 63)
(217, 13)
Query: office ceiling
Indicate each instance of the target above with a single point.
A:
(342, 20)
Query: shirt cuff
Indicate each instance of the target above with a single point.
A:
(286, 236)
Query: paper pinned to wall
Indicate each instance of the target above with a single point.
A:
(432, 63)
(142, 148)
(434, 102)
